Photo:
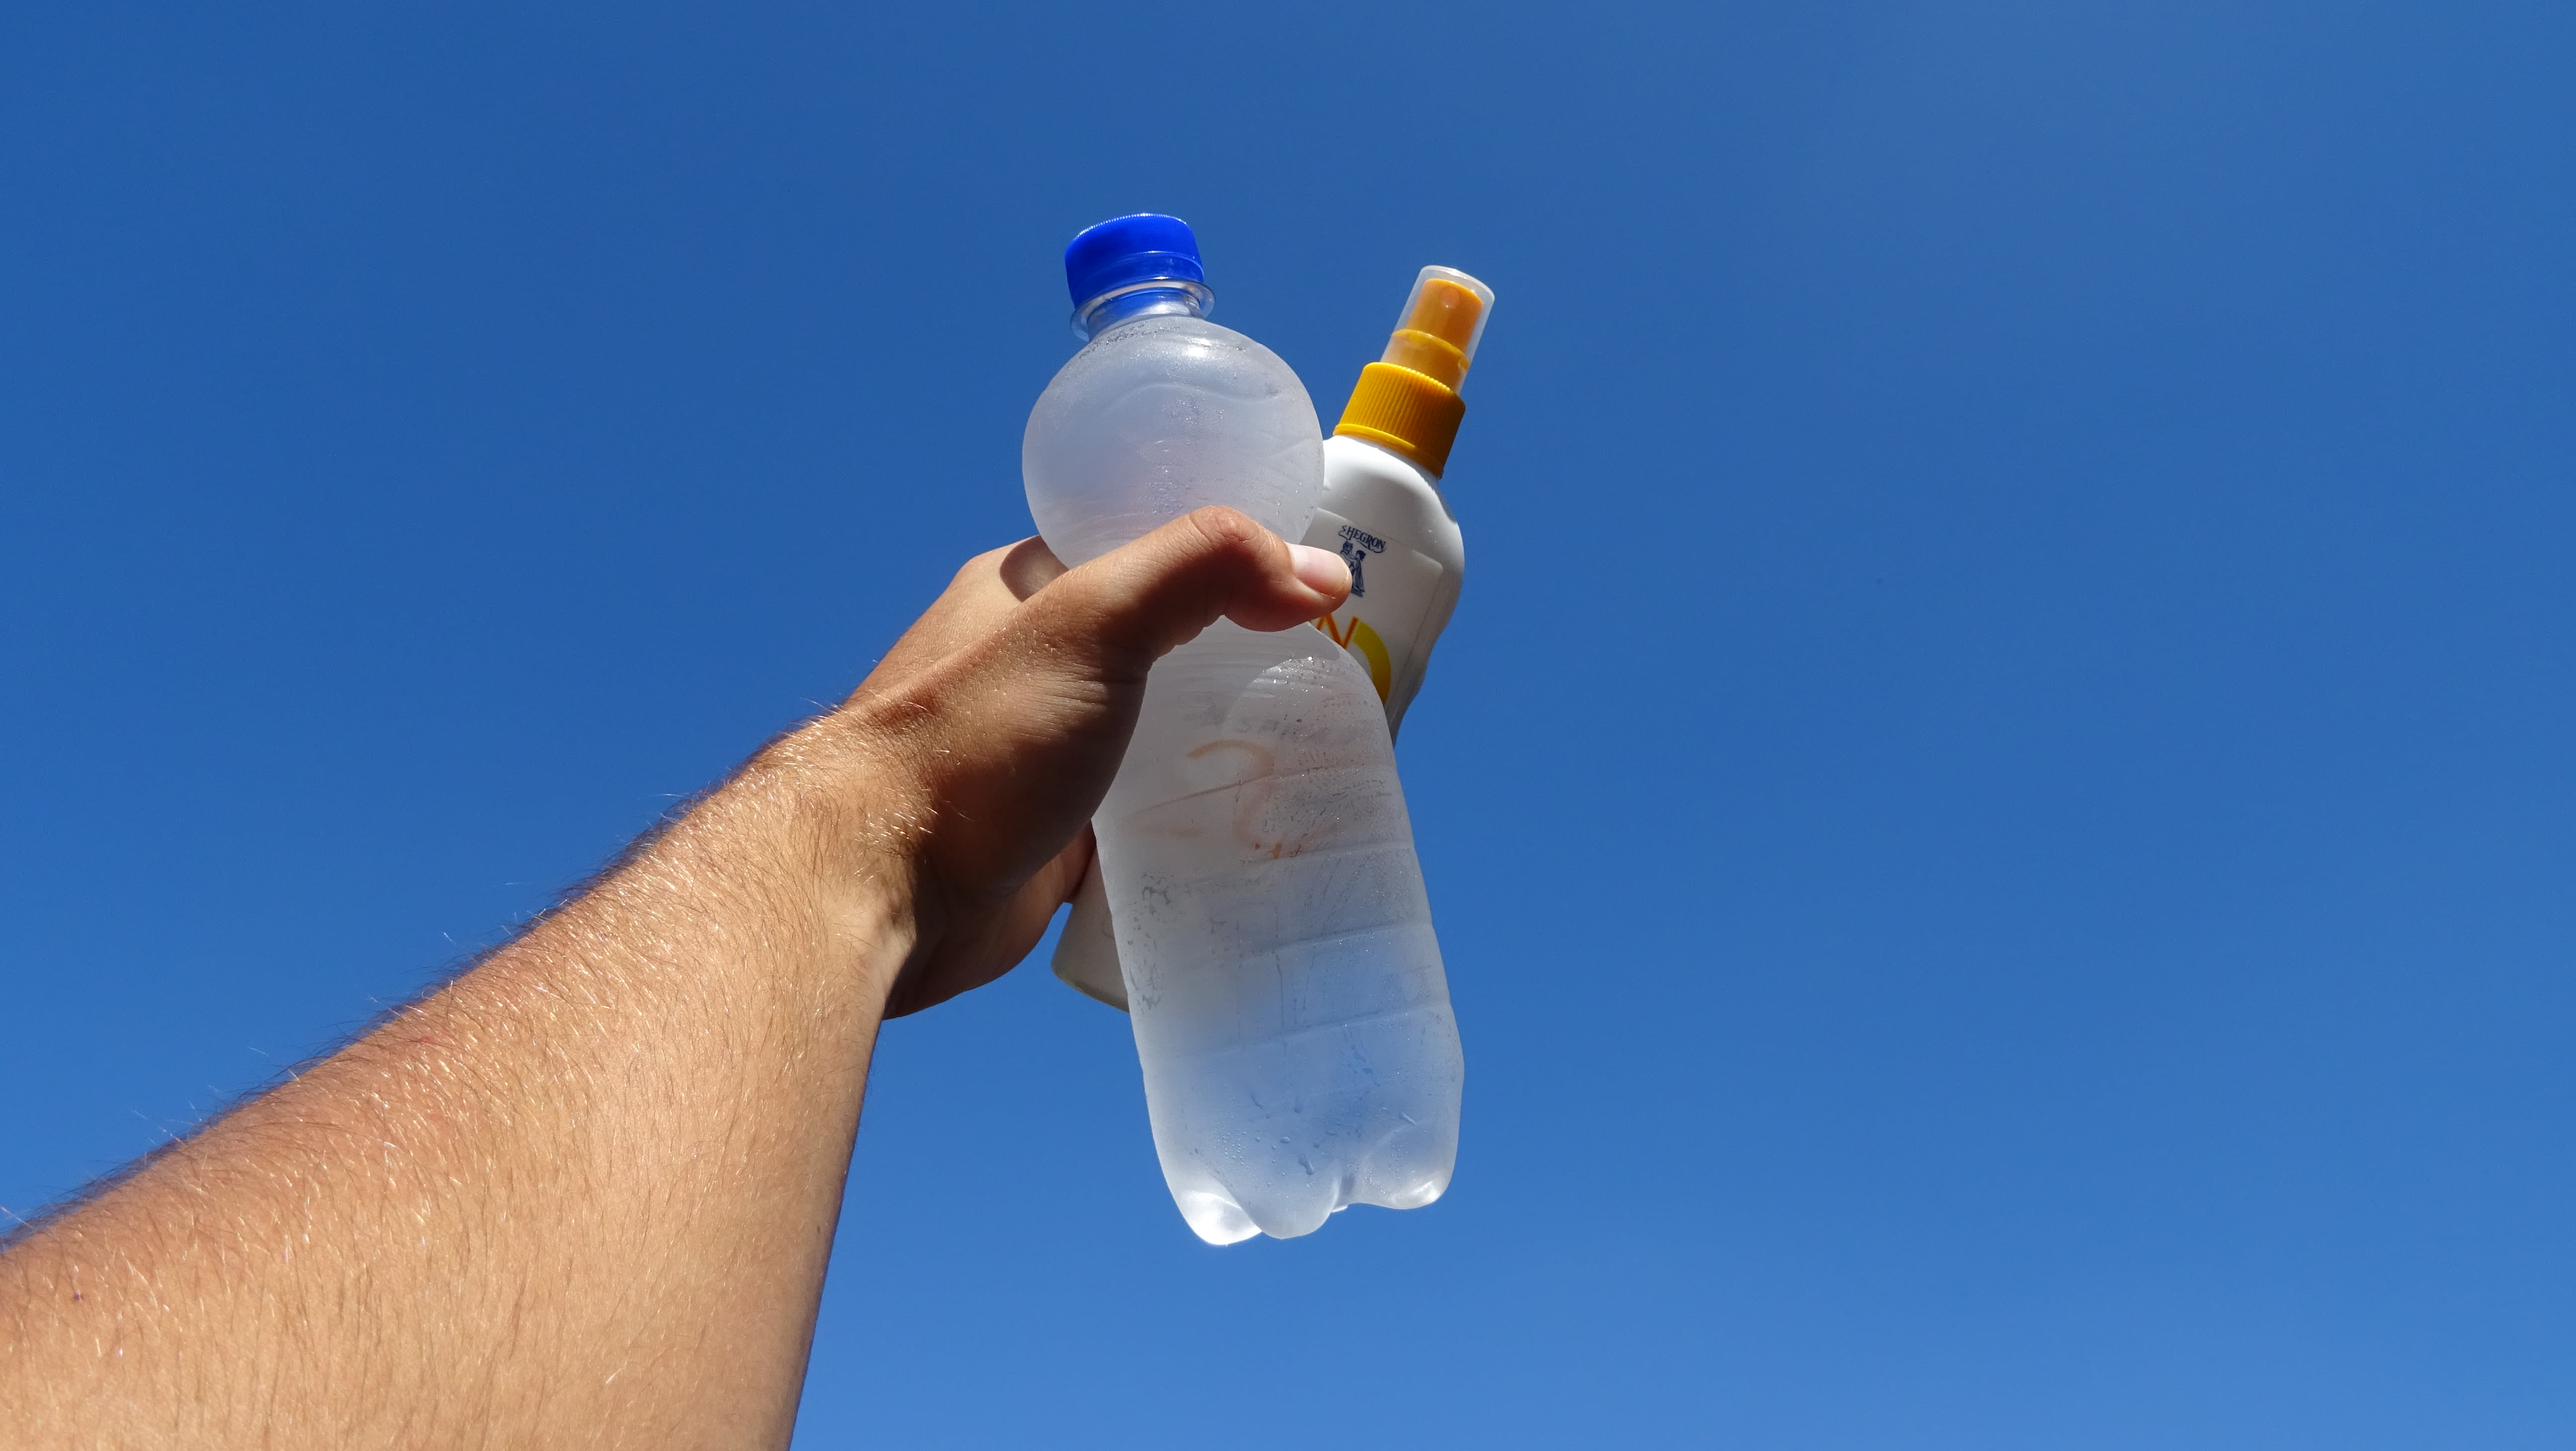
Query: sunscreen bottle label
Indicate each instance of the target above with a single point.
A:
(1392, 590)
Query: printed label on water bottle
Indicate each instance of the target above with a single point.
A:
(1392, 588)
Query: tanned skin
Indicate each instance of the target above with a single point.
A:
(582, 1195)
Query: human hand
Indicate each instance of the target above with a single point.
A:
(998, 720)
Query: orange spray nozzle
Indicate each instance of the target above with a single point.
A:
(1442, 321)
(1408, 399)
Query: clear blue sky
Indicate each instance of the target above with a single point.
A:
(2001, 802)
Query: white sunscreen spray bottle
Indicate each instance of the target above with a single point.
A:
(1383, 512)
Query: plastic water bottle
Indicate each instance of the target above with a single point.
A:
(1275, 940)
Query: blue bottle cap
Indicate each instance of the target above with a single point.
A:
(1123, 251)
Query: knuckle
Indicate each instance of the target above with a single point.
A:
(985, 563)
(1230, 533)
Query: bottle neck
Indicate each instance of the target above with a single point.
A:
(1148, 299)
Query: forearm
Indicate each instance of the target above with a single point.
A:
(554, 1203)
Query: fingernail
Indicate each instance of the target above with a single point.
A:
(1320, 570)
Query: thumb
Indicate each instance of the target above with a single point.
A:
(1136, 603)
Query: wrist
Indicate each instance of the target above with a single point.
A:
(837, 827)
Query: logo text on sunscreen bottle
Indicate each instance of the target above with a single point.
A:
(1357, 545)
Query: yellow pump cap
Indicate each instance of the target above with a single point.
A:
(1407, 402)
